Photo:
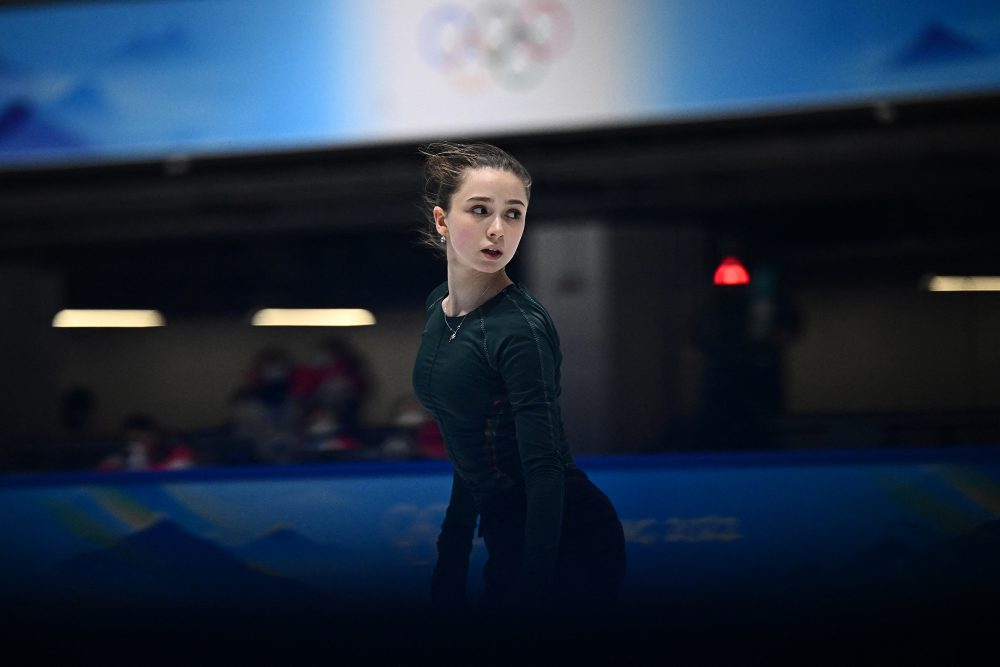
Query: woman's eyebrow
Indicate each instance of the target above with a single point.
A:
(490, 199)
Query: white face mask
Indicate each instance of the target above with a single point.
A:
(137, 457)
(409, 418)
(323, 426)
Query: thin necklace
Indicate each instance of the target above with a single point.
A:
(454, 332)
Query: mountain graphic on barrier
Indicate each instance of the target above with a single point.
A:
(957, 557)
(23, 128)
(890, 576)
(956, 579)
(286, 552)
(83, 98)
(974, 554)
(164, 565)
(938, 44)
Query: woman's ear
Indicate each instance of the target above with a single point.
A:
(439, 221)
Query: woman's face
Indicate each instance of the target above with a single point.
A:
(485, 220)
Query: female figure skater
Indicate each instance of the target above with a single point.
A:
(488, 370)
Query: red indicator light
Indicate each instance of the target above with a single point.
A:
(731, 272)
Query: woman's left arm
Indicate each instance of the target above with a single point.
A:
(527, 364)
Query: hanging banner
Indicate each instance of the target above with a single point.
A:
(109, 81)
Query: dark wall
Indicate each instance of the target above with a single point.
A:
(846, 208)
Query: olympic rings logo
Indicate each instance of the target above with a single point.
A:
(508, 43)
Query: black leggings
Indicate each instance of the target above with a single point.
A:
(590, 565)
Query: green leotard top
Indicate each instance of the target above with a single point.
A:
(494, 391)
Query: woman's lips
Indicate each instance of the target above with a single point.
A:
(492, 253)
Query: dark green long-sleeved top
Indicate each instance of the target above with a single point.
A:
(494, 392)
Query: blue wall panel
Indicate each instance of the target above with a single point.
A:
(345, 530)
(722, 549)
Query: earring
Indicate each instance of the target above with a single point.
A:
(443, 239)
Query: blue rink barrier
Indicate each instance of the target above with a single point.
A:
(765, 538)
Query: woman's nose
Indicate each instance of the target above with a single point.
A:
(495, 229)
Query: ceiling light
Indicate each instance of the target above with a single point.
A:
(106, 319)
(963, 283)
(313, 317)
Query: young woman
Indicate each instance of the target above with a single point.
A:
(488, 371)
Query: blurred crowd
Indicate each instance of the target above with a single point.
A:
(288, 411)
(283, 410)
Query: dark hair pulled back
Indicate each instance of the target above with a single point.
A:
(445, 166)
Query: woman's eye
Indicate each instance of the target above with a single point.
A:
(514, 214)
(479, 210)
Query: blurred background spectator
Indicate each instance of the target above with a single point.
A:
(334, 382)
(413, 434)
(148, 446)
(324, 436)
(263, 410)
(742, 337)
